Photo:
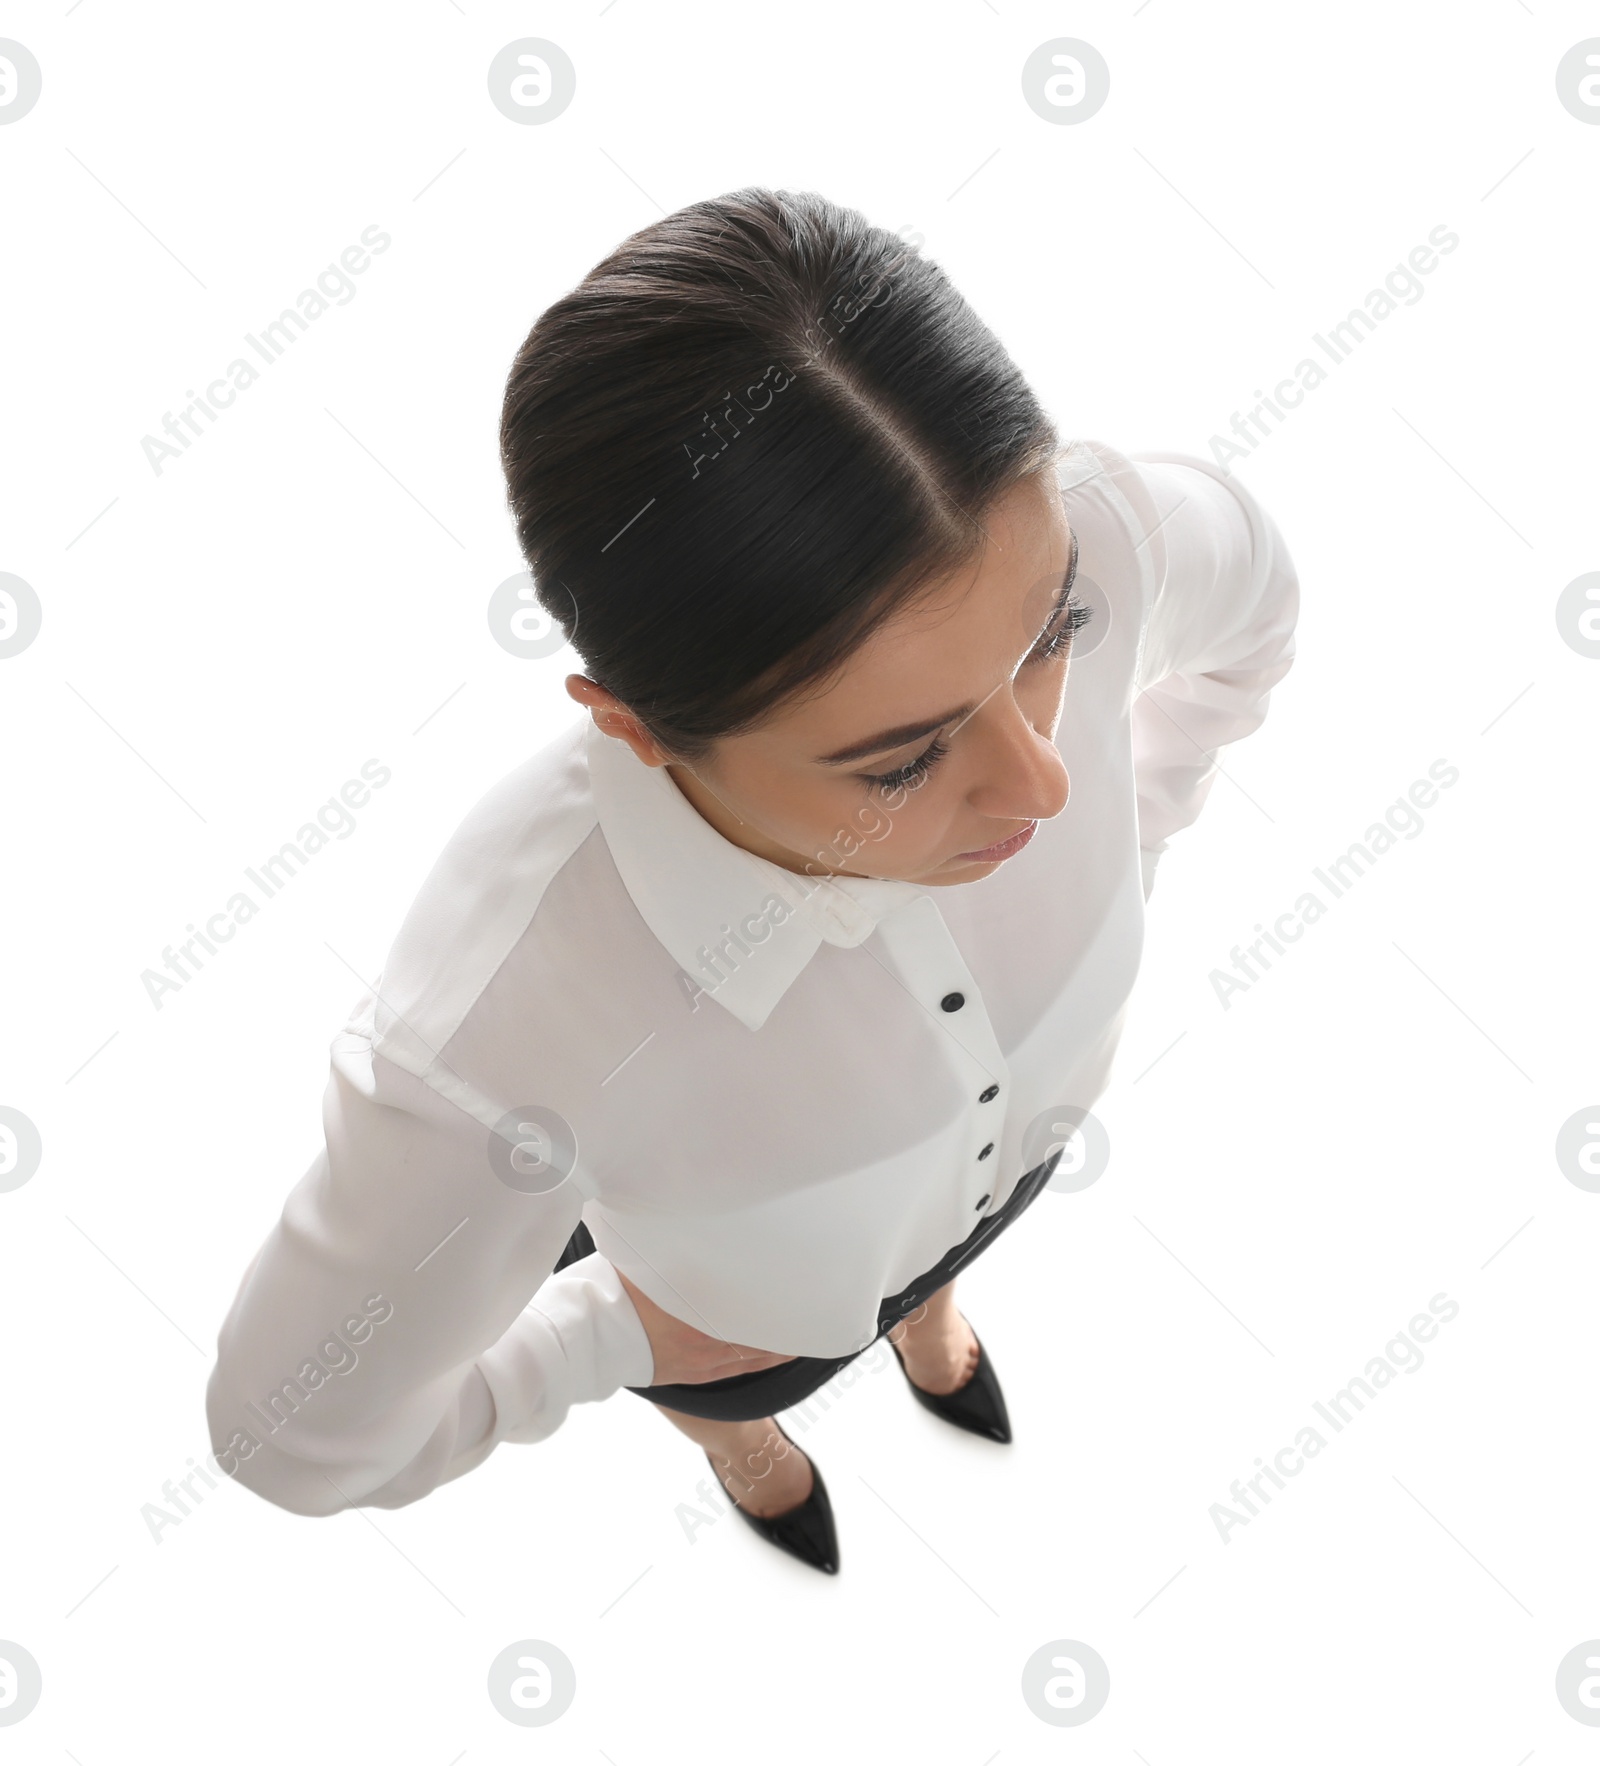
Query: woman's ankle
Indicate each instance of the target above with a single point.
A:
(760, 1468)
(940, 1354)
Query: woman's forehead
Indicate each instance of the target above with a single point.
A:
(965, 635)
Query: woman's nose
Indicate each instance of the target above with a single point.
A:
(1027, 778)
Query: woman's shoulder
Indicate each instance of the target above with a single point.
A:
(1151, 517)
(480, 896)
(1091, 471)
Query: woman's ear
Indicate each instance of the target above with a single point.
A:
(612, 718)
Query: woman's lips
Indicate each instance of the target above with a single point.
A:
(989, 855)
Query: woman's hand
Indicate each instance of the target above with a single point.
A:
(687, 1357)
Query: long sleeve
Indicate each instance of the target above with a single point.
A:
(401, 1319)
(1219, 637)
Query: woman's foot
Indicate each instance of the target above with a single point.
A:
(938, 1346)
(761, 1470)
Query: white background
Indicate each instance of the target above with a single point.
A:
(1373, 1123)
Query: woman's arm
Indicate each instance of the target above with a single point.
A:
(1219, 637)
(401, 1319)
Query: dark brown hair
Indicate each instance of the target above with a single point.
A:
(748, 436)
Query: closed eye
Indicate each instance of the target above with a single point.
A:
(1057, 642)
(1069, 617)
(913, 772)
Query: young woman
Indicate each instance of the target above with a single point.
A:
(736, 1020)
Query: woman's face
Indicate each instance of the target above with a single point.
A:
(930, 755)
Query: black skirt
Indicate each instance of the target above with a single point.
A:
(748, 1397)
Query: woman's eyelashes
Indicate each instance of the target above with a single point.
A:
(913, 772)
(1055, 645)
(1058, 643)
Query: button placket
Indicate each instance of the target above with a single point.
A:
(929, 962)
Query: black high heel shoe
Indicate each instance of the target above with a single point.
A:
(806, 1531)
(979, 1406)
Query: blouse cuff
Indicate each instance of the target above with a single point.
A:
(578, 1341)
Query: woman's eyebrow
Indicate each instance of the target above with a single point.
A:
(895, 738)
(904, 733)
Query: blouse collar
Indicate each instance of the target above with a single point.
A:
(703, 897)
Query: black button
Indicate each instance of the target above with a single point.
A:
(982, 1201)
(988, 1094)
(953, 1002)
(987, 1151)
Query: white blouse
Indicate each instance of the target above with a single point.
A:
(773, 1099)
